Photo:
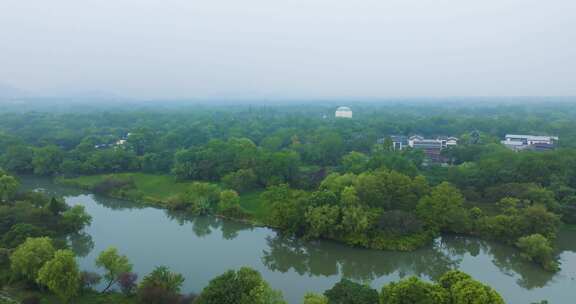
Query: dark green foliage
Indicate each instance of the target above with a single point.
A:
(244, 286)
(443, 209)
(241, 180)
(388, 202)
(19, 233)
(348, 292)
(413, 291)
(400, 222)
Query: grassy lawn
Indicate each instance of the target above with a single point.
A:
(158, 188)
(154, 187)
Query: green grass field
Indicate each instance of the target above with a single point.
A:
(159, 188)
(153, 187)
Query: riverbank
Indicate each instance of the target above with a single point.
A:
(201, 247)
(159, 190)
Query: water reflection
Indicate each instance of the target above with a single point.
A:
(314, 265)
(81, 243)
(327, 258)
(205, 225)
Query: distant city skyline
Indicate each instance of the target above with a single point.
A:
(150, 49)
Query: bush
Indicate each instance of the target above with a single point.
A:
(348, 292)
(537, 248)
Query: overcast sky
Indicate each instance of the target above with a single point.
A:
(290, 48)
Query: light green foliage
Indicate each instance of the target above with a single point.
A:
(349, 196)
(322, 220)
(244, 286)
(229, 204)
(389, 190)
(30, 256)
(448, 279)
(313, 298)
(463, 289)
(286, 208)
(355, 219)
(518, 220)
(200, 198)
(8, 186)
(76, 218)
(473, 292)
(61, 275)
(537, 248)
(413, 291)
(336, 183)
(355, 162)
(443, 208)
(114, 264)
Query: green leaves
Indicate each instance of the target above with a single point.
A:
(114, 264)
(537, 248)
(61, 275)
(443, 208)
(30, 256)
(244, 286)
(8, 187)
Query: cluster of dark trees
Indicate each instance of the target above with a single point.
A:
(327, 177)
(32, 214)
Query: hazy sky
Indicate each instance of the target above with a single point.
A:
(290, 48)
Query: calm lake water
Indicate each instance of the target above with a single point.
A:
(203, 247)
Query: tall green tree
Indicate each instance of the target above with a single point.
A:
(114, 264)
(443, 208)
(244, 286)
(30, 256)
(413, 291)
(8, 186)
(61, 275)
(47, 160)
(348, 292)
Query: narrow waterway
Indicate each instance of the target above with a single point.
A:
(203, 247)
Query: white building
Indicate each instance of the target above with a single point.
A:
(531, 139)
(534, 142)
(343, 112)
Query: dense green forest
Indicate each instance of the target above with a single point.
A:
(298, 169)
(314, 176)
(38, 265)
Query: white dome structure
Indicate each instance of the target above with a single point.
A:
(343, 112)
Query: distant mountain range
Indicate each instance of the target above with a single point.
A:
(7, 91)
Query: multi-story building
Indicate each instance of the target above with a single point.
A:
(529, 142)
(432, 147)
